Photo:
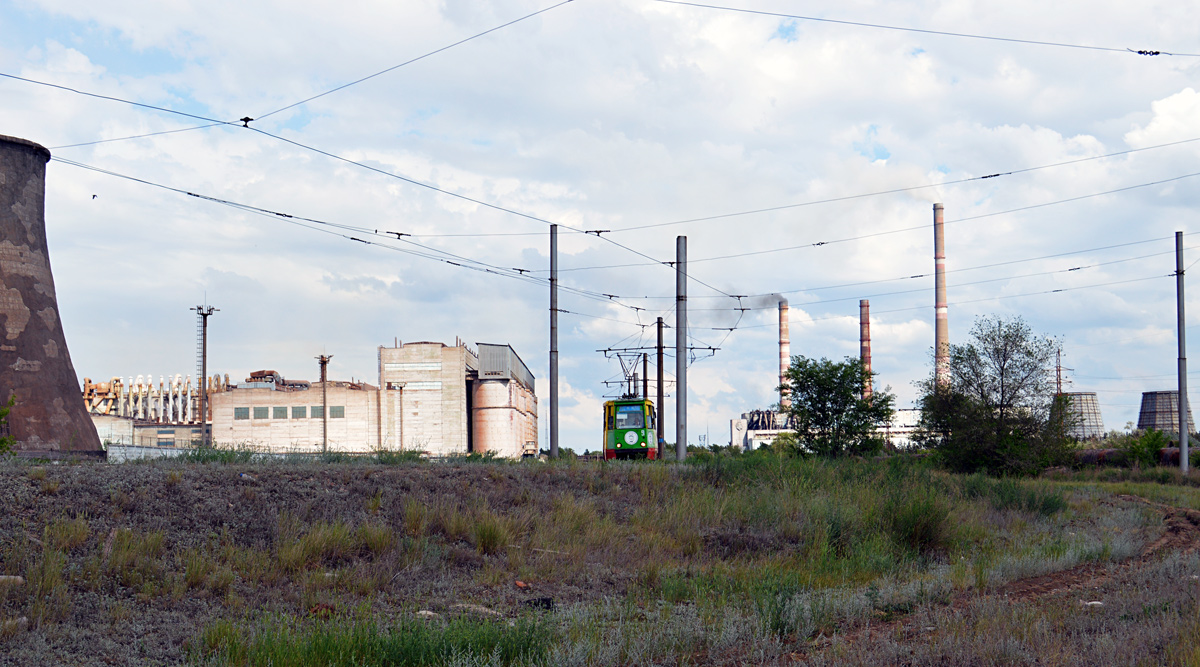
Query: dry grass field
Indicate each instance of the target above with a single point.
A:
(755, 559)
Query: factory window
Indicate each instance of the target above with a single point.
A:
(337, 411)
(299, 411)
(261, 412)
(166, 443)
(316, 412)
(241, 413)
(279, 413)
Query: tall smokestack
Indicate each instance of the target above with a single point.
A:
(785, 353)
(941, 337)
(864, 343)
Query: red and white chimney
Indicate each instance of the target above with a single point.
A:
(864, 343)
(785, 353)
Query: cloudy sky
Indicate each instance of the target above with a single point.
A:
(619, 115)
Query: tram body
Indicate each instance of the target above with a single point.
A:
(630, 431)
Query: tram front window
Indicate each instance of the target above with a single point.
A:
(629, 417)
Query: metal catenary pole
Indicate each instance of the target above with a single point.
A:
(324, 361)
(680, 348)
(659, 386)
(1183, 400)
(553, 341)
(645, 375)
(204, 312)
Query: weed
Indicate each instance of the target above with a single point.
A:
(51, 599)
(218, 455)
(386, 457)
(489, 534)
(173, 478)
(409, 642)
(324, 543)
(67, 535)
(196, 568)
(919, 522)
(376, 538)
(416, 518)
(134, 560)
(37, 474)
(50, 486)
(375, 502)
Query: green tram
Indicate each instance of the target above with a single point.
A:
(630, 431)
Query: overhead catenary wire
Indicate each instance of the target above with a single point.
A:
(847, 239)
(143, 105)
(413, 60)
(945, 33)
(981, 300)
(425, 252)
(138, 136)
(929, 289)
(480, 202)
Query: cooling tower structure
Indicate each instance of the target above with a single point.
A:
(48, 418)
(1160, 411)
(941, 336)
(864, 343)
(1084, 412)
(785, 353)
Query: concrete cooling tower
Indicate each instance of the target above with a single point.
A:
(49, 418)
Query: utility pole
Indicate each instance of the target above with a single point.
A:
(659, 406)
(203, 312)
(645, 375)
(1183, 401)
(553, 341)
(681, 350)
(324, 361)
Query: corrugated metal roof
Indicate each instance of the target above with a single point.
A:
(500, 362)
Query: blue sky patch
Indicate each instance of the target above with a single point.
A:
(870, 148)
(786, 31)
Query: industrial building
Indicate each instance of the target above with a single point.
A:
(432, 398)
(1160, 411)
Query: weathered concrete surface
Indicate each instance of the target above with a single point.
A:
(49, 415)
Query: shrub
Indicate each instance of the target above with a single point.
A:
(1143, 449)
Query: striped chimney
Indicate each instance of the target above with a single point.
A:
(941, 337)
(785, 353)
(864, 343)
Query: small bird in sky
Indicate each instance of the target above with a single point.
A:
(94, 196)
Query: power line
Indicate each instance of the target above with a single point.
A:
(427, 252)
(911, 188)
(927, 289)
(138, 136)
(117, 99)
(817, 244)
(880, 26)
(985, 299)
(598, 233)
(413, 60)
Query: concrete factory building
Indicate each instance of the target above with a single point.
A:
(431, 398)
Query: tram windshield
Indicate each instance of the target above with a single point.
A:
(629, 416)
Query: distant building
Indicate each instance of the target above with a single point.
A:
(431, 398)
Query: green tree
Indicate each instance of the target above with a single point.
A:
(828, 410)
(999, 412)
